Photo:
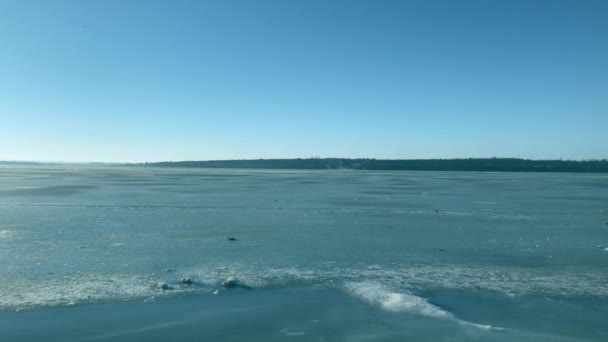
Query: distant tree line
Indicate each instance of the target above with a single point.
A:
(470, 164)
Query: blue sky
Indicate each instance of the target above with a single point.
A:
(194, 80)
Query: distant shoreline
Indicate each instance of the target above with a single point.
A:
(471, 164)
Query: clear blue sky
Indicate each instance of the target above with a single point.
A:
(194, 80)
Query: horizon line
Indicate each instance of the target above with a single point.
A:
(293, 158)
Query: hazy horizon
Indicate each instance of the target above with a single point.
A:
(280, 158)
(137, 81)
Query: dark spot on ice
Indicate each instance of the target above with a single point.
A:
(184, 281)
(440, 250)
(231, 238)
(230, 282)
(163, 286)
